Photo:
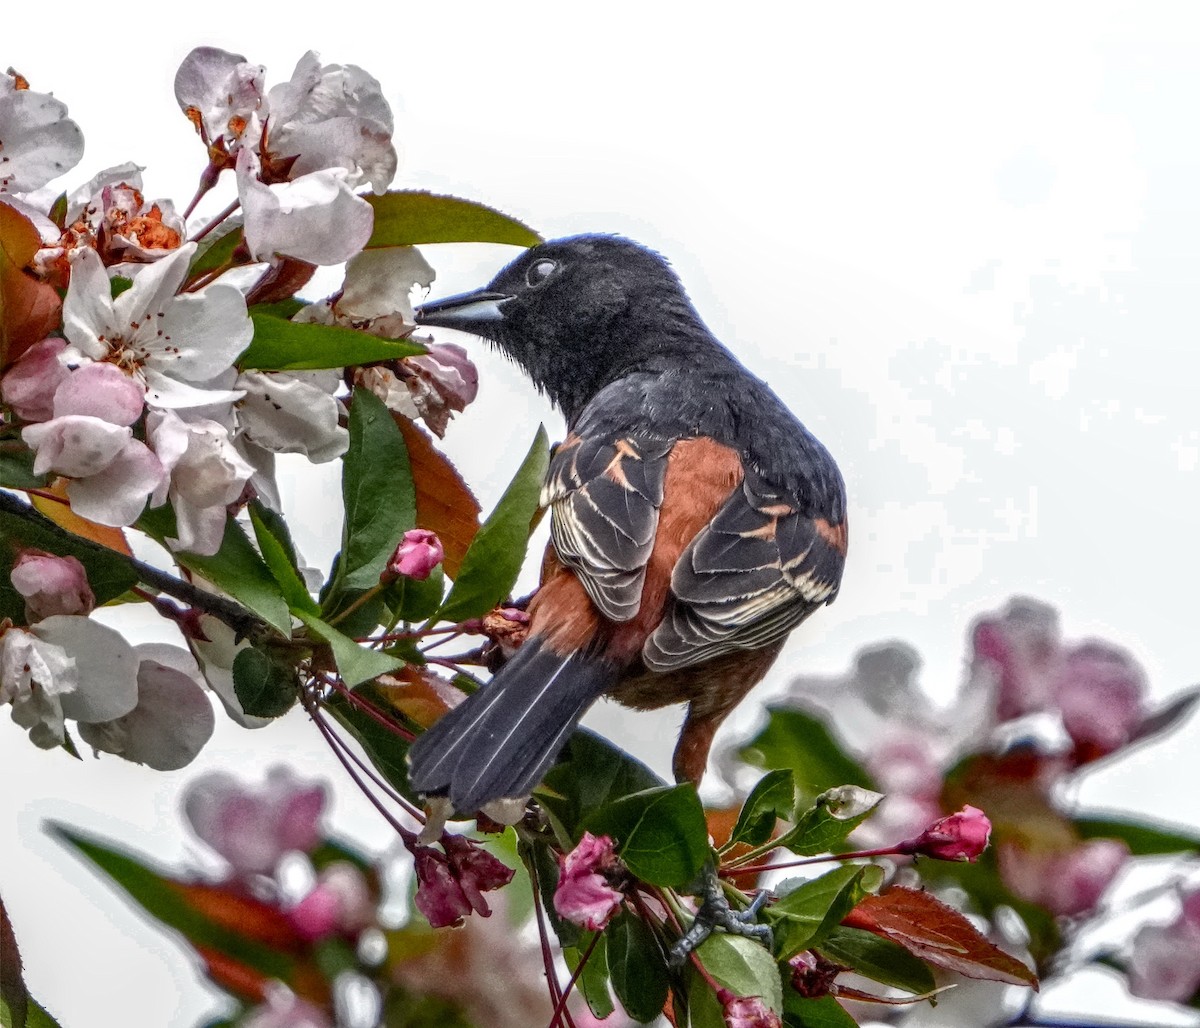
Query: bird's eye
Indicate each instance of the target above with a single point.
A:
(539, 271)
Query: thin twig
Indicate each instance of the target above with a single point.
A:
(583, 960)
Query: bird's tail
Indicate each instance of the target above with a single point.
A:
(501, 740)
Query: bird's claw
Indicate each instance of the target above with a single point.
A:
(715, 913)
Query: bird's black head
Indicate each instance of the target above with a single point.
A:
(579, 313)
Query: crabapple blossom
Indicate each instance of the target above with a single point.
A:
(292, 412)
(284, 1009)
(206, 475)
(746, 1011)
(376, 294)
(52, 585)
(174, 345)
(40, 676)
(29, 385)
(38, 142)
(1099, 692)
(1022, 650)
(583, 895)
(419, 552)
(332, 116)
(450, 885)
(429, 386)
(1164, 961)
(253, 828)
(315, 218)
(1068, 882)
(222, 95)
(341, 901)
(173, 718)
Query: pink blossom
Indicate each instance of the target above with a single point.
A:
(340, 902)
(101, 391)
(253, 828)
(52, 585)
(1164, 962)
(1022, 647)
(1099, 692)
(960, 836)
(746, 1011)
(583, 894)
(283, 1009)
(450, 885)
(418, 554)
(1066, 882)
(28, 386)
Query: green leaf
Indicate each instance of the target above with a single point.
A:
(593, 980)
(823, 1012)
(410, 218)
(118, 284)
(386, 748)
(414, 601)
(660, 833)
(773, 797)
(1144, 838)
(377, 492)
(264, 687)
(356, 663)
(637, 967)
(591, 772)
(742, 966)
(492, 563)
(16, 470)
(216, 249)
(109, 573)
(38, 1017)
(879, 959)
(171, 903)
(236, 568)
(806, 915)
(797, 740)
(275, 544)
(283, 345)
(818, 830)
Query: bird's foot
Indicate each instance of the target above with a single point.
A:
(715, 912)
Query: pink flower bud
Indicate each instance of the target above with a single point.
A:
(28, 386)
(583, 894)
(1066, 882)
(746, 1011)
(961, 836)
(52, 585)
(418, 554)
(101, 391)
(1099, 692)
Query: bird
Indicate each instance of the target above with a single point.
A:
(694, 521)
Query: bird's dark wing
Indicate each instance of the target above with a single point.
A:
(758, 569)
(604, 495)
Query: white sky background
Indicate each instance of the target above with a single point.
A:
(964, 247)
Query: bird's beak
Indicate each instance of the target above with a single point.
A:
(469, 312)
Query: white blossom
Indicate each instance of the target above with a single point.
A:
(316, 218)
(38, 142)
(173, 718)
(333, 117)
(221, 94)
(292, 413)
(40, 675)
(207, 474)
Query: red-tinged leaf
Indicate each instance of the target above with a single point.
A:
(938, 934)
(61, 514)
(29, 309)
(231, 908)
(445, 503)
(250, 984)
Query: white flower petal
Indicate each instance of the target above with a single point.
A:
(88, 308)
(222, 89)
(117, 495)
(216, 654)
(379, 283)
(84, 202)
(286, 414)
(75, 445)
(154, 286)
(171, 723)
(209, 330)
(40, 141)
(108, 682)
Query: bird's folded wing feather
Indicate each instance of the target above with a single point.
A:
(758, 569)
(604, 496)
